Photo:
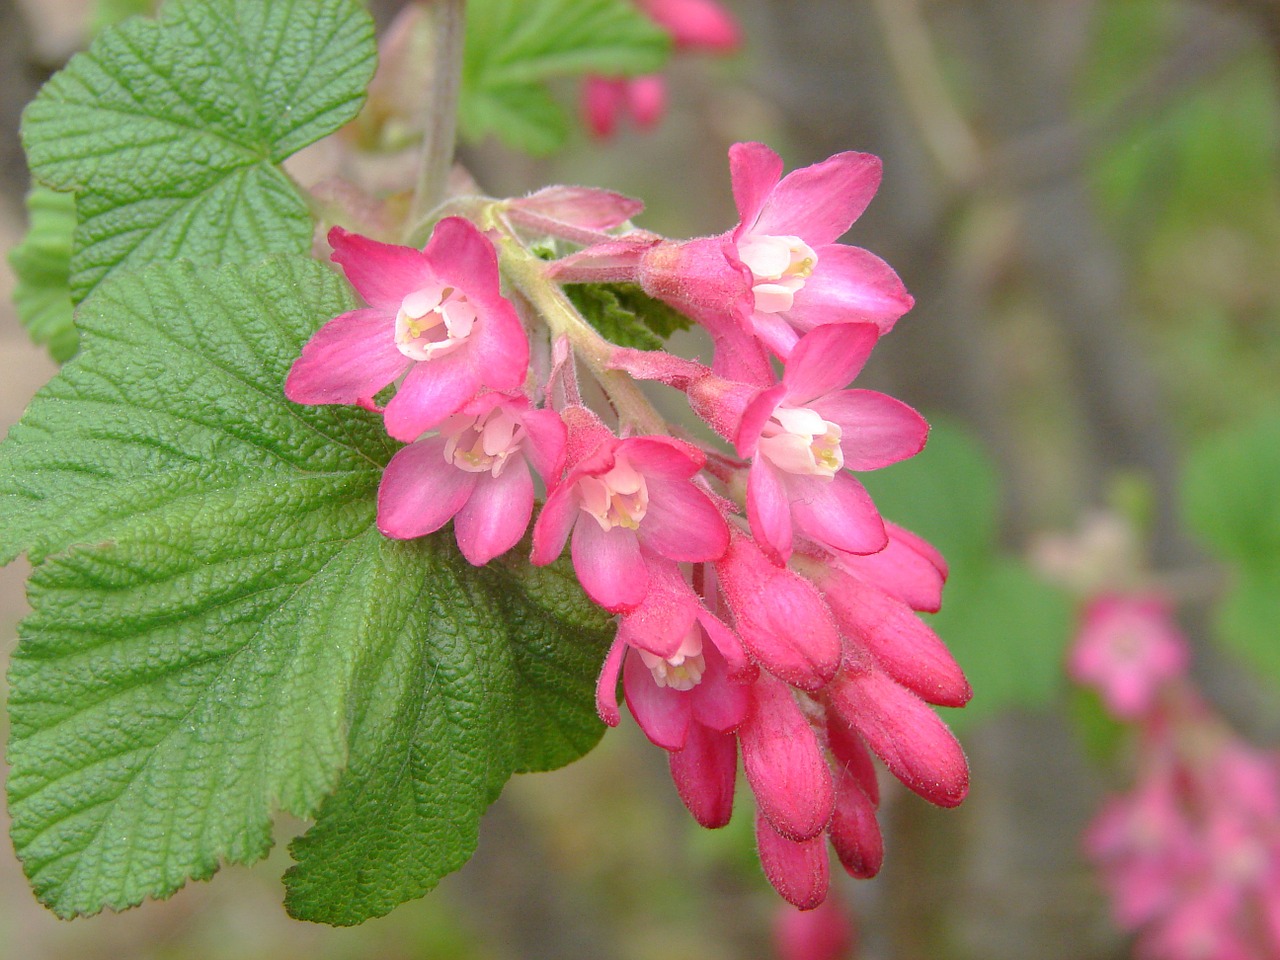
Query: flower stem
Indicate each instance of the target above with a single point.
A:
(528, 274)
(440, 133)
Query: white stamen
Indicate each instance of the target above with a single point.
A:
(482, 444)
(433, 322)
(780, 266)
(682, 670)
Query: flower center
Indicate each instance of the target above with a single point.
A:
(798, 440)
(779, 266)
(433, 321)
(683, 669)
(618, 498)
(483, 443)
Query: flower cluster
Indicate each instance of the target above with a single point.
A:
(764, 608)
(1191, 854)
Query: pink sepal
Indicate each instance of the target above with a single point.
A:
(819, 203)
(799, 871)
(855, 832)
(607, 684)
(908, 569)
(348, 360)
(906, 734)
(704, 773)
(849, 285)
(719, 702)
(877, 429)
(826, 360)
(609, 261)
(609, 565)
(779, 616)
(667, 614)
(784, 763)
(662, 713)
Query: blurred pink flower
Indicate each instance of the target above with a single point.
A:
(823, 933)
(1129, 648)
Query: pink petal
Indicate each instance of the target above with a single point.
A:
(820, 202)
(827, 359)
(837, 512)
(682, 523)
(730, 647)
(779, 616)
(754, 170)
(432, 391)
(798, 871)
(785, 765)
(850, 285)
(704, 773)
(719, 702)
(349, 359)
(855, 833)
(609, 565)
(662, 713)
(647, 99)
(464, 257)
(775, 332)
(769, 510)
(897, 639)
(553, 525)
(877, 429)
(906, 734)
(421, 490)
(754, 416)
(603, 99)
(607, 684)
(497, 515)
(382, 273)
(851, 755)
(919, 545)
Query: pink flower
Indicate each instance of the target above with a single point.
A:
(823, 933)
(779, 273)
(436, 316)
(475, 471)
(694, 25)
(805, 433)
(1128, 647)
(620, 499)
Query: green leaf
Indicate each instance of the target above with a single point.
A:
(1246, 618)
(171, 132)
(513, 47)
(1009, 632)
(1229, 492)
(218, 629)
(42, 265)
(623, 314)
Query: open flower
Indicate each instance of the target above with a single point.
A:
(805, 434)
(475, 471)
(621, 497)
(435, 316)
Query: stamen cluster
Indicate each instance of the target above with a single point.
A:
(764, 607)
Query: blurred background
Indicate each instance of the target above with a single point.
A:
(1082, 195)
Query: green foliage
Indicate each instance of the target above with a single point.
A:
(514, 47)
(171, 132)
(1230, 502)
(219, 630)
(42, 266)
(1007, 628)
(624, 315)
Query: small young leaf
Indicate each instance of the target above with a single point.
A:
(513, 47)
(42, 265)
(624, 315)
(171, 132)
(214, 614)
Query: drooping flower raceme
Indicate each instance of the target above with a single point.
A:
(475, 471)
(436, 316)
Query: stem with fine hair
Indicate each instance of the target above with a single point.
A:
(441, 107)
